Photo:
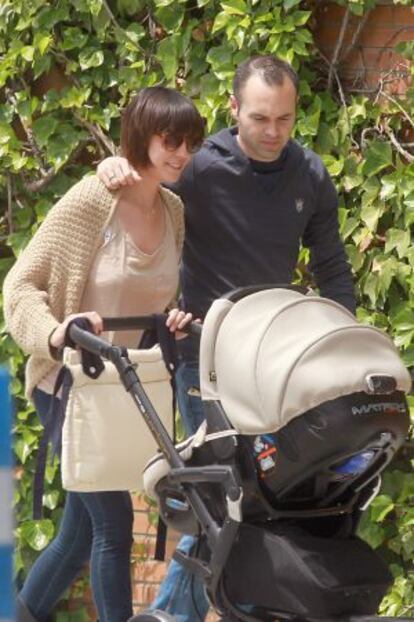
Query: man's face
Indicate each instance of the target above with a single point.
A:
(265, 116)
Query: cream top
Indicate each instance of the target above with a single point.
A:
(46, 283)
(124, 281)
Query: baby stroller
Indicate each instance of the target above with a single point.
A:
(304, 409)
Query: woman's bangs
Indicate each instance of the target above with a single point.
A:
(184, 125)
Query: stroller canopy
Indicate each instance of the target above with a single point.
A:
(275, 354)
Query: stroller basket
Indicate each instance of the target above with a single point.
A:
(275, 487)
(284, 560)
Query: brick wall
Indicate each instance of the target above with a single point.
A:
(148, 573)
(364, 62)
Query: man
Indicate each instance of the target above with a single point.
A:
(252, 196)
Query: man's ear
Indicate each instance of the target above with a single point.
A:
(234, 107)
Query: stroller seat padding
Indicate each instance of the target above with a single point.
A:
(158, 467)
(277, 353)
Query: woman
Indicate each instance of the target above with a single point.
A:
(101, 253)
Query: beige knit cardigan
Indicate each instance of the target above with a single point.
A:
(47, 281)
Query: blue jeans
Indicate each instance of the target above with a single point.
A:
(182, 594)
(95, 526)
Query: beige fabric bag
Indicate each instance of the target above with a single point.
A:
(105, 441)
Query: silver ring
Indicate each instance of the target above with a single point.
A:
(113, 176)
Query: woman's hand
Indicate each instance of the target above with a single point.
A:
(116, 171)
(57, 338)
(178, 319)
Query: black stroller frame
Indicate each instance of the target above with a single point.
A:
(219, 538)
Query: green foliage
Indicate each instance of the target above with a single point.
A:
(66, 68)
(358, 7)
(389, 525)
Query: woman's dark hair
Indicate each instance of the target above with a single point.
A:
(163, 111)
(271, 69)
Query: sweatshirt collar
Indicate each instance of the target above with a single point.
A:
(259, 166)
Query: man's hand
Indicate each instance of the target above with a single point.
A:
(116, 171)
(179, 319)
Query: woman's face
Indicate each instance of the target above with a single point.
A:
(168, 160)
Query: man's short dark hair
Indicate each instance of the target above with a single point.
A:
(163, 111)
(271, 69)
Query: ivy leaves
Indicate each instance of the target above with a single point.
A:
(66, 69)
(36, 533)
(377, 157)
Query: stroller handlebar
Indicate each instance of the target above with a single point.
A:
(89, 341)
(145, 322)
(100, 346)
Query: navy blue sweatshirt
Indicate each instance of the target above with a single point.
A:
(245, 223)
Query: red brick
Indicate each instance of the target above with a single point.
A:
(329, 13)
(327, 38)
(54, 79)
(369, 38)
(384, 37)
(403, 16)
(142, 525)
(144, 547)
(407, 134)
(382, 16)
(149, 571)
(374, 58)
(386, 26)
(147, 543)
(371, 80)
(143, 595)
(140, 501)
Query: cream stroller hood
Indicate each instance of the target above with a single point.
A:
(275, 354)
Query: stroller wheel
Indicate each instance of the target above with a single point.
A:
(152, 616)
